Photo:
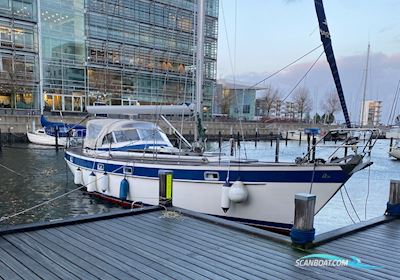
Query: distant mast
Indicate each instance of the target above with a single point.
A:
(365, 88)
(326, 41)
(199, 66)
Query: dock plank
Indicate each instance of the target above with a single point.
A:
(23, 271)
(90, 256)
(8, 273)
(41, 258)
(70, 256)
(217, 250)
(175, 262)
(58, 258)
(29, 262)
(150, 246)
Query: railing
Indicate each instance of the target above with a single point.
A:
(359, 141)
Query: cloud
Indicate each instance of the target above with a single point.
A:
(387, 28)
(383, 76)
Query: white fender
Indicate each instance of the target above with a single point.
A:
(102, 182)
(78, 177)
(238, 192)
(225, 203)
(91, 185)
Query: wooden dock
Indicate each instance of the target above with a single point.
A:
(154, 244)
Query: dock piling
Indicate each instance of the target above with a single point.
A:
(391, 144)
(277, 150)
(165, 186)
(308, 145)
(286, 138)
(393, 205)
(300, 139)
(303, 232)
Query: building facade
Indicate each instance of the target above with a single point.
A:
(371, 111)
(117, 52)
(235, 101)
(19, 64)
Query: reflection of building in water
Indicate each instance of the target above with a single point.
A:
(114, 51)
(19, 77)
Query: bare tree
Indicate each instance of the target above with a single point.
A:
(269, 99)
(302, 101)
(331, 105)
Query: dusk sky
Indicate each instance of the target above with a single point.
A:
(272, 33)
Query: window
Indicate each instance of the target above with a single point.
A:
(211, 176)
(126, 135)
(246, 109)
(152, 135)
(128, 170)
(108, 139)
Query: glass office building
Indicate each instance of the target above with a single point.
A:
(19, 75)
(114, 52)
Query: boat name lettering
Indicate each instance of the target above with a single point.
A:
(326, 176)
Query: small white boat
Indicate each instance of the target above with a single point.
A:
(67, 133)
(42, 138)
(395, 150)
(302, 134)
(394, 133)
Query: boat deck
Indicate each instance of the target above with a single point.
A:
(154, 244)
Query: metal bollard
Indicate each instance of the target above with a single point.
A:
(393, 205)
(165, 187)
(303, 231)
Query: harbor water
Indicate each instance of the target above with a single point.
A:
(32, 174)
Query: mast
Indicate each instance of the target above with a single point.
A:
(326, 41)
(365, 88)
(199, 66)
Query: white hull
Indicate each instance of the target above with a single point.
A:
(393, 134)
(395, 152)
(295, 136)
(268, 203)
(44, 139)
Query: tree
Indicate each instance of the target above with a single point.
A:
(317, 118)
(302, 101)
(270, 97)
(330, 106)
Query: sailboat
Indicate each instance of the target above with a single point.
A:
(56, 133)
(122, 159)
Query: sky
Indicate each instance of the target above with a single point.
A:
(273, 33)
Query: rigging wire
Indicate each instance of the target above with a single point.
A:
(368, 189)
(285, 67)
(394, 105)
(303, 77)
(345, 207)
(351, 203)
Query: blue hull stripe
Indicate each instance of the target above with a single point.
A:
(326, 176)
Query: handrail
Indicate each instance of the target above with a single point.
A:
(350, 141)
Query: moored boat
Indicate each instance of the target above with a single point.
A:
(56, 133)
(122, 159)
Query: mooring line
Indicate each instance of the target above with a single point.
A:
(12, 171)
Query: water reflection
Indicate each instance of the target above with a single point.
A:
(39, 174)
